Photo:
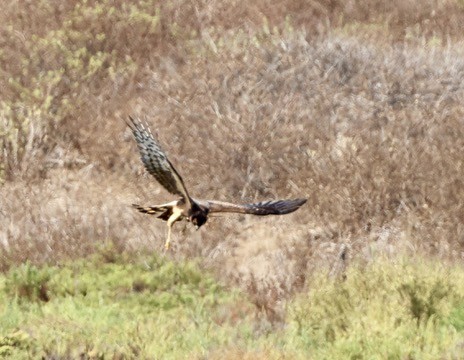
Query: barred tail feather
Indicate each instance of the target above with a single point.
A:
(162, 212)
(151, 210)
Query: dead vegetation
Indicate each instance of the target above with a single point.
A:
(359, 110)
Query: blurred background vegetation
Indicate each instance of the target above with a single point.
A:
(357, 105)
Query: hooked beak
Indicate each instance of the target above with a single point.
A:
(196, 227)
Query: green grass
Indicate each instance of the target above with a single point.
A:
(125, 309)
(149, 307)
(409, 309)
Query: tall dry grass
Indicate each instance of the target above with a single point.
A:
(357, 107)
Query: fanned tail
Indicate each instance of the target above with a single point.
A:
(151, 210)
(162, 212)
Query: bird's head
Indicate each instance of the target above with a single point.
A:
(198, 216)
(198, 220)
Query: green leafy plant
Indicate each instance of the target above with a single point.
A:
(28, 282)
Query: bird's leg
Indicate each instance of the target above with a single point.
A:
(176, 214)
(168, 240)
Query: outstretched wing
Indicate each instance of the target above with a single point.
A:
(156, 161)
(277, 207)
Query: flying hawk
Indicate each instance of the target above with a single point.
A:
(193, 210)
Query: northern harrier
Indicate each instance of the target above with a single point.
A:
(194, 210)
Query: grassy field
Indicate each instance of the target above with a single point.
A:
(357, 106)
(150, 307)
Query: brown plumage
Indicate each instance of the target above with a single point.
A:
(194, 210)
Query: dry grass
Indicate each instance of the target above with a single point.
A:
(358, 110)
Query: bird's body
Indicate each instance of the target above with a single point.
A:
(193, 210)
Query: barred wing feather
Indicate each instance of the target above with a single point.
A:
(156, 161)
(276, 207)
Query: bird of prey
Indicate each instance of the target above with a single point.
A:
(186, 207)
